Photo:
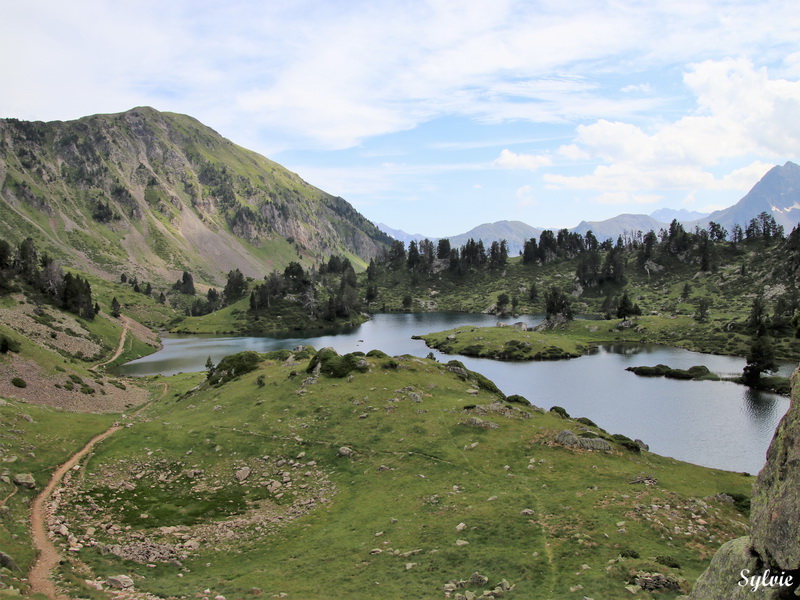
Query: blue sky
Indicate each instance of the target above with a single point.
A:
(436, 116)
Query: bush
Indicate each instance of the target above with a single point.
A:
(741, 502)
(629, 553)
(234, 366)
(333, 365)
(8, 344)
(18, 382)
(377, 354)
(668, 561)
(560, 412)
(518, 399)
(586, 421)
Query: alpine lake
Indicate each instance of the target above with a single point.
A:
(717, 424)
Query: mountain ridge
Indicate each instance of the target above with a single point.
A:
(159, 192)
(777, 193)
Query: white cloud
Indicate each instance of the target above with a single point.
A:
(626, 198)
(334, 74)
(642, 88)
(512, 160)
(740, 113)
(525, 196)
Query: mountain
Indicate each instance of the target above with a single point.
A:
(777, 193)
(399, 234)
(157, 193)
(666, 215)
(513, 232)
(619, 225)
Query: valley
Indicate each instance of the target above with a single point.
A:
(323, 464)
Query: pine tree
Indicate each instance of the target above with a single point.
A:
(115, 307)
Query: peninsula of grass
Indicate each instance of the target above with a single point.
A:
(573, 338)
(369, 476)
(504, 343)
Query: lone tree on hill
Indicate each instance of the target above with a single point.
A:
(627, 308)
(115, 307)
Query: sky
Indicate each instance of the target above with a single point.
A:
(434, 116)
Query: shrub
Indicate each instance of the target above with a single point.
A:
(518, 399)
(629, 553)
(377, 354)
(741, 502)
(586, 421)
(8, 344)
(333, 365)
(18, 382)
(234, 366)
(668, 561)
(560, 412)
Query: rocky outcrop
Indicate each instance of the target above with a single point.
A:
(567, 438)
(745, 567)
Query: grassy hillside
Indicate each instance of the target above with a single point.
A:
(387, 477)
(155, 194)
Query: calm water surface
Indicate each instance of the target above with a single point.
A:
(715, 424)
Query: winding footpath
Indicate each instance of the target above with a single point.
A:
(126, 325)
(49, 557)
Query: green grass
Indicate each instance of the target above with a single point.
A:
(414, 477)
(504, 343)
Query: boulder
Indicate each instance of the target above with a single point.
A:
(567, 438)
(120, 582)
(720, 580)
(25, 480)
(345, 452)
(775, 514)
(773, 546)
(7, 562)
(594, 444)
(243, 473)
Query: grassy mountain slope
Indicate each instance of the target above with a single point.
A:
(158, 193)
(252, 491)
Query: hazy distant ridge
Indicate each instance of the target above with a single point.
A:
(777, 193)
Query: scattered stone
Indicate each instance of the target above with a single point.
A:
(345, 452)
(526, 512)
(120, 582)
(477, 579)
(243, 474)
(25, 480)
(645, 479)
(461, 527)
(461, 543)
(410, 566)
(476, 422)
(656, 581)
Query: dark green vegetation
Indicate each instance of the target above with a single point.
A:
(382, 477)
(161, 193)
(504, 343)
(704, 290)
(698, 372)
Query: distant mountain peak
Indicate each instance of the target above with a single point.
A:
(666, 215)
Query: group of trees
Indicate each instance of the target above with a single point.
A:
(328, 293)
(421, 256)
(45, 275)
